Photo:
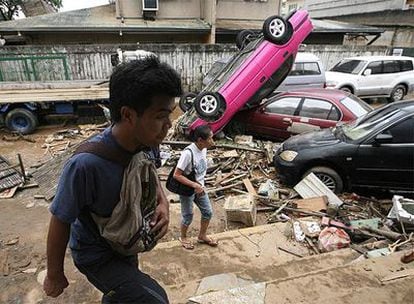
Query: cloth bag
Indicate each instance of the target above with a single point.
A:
(175, 186)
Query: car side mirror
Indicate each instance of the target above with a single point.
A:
(382, 139)
(262, 109)
(367, 72)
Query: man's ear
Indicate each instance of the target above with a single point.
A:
(128, 115)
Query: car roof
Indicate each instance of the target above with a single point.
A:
(371, 58)
(306, 57)
(317, 92)
(404, 105)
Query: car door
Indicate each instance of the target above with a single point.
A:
(314, 114)
(391, 70)
(273, 119)
(388, 164)
(374, 83)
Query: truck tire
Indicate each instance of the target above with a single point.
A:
(21, 120)
(329, 177)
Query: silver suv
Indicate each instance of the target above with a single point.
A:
(373, 76)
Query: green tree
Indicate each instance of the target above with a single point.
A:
(9, 9)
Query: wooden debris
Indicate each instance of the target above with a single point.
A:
(312, 204)
(290, 252)
(4, 263)
(248, 184)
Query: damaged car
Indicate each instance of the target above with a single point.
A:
(251, 75)
(295, 112)
(374, 151)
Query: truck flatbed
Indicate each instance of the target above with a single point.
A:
(55, 95)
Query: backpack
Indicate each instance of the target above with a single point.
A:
(127, 230)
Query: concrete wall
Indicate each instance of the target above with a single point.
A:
(225, 9)
(330, 8)
(247, 10)
(192, 61)
(167, 8)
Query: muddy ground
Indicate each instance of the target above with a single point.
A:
(24, 222)
(23, 228)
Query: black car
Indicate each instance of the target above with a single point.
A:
(375, 150)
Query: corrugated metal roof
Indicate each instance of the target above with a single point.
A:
(100, 19)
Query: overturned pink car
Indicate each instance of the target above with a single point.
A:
(251, 75)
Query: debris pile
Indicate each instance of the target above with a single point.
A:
(242, 176)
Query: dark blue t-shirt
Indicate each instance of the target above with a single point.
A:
(88, 183)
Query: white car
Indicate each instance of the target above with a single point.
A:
(373, 76)
(307, 72)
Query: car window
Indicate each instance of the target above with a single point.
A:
(320, 109)
(305, 68)
(355, 105)
(391, 66)
(406, 65)
(362, 127)
(402, 132)
(376, 67)
(286, 106)
(349, 66)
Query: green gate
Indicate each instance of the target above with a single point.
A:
(34, 68)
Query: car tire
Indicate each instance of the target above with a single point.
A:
(243, 38)
(21, 120)
(208, 105)
(329, 177)
(397, 93)
(277, 30)
(347, 89)
(186, 101)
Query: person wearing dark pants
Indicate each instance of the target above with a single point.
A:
(142, 94)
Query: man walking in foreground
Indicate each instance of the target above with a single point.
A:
(141, 100)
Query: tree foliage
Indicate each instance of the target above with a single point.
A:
(9, 9)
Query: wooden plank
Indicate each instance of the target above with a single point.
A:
(16, 96)
(248, 184)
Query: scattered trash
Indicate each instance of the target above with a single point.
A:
(332, 238)
(402, 209)
(312, 186)
(298, 232)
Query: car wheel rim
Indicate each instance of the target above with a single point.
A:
(208, 104)
(277, 28)
(398, 94)
(327, 180)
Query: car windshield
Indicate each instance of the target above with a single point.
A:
(364, 125)
(349, 66)
(355, 105)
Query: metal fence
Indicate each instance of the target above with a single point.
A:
(93, 62)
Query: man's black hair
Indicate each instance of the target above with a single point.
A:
(135, 83)
(203, 132)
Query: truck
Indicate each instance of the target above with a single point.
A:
(24, 105)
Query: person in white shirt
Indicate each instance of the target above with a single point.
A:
(195, 155)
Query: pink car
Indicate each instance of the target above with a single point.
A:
(252, 74)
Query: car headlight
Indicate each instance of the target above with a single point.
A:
(288, 155)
